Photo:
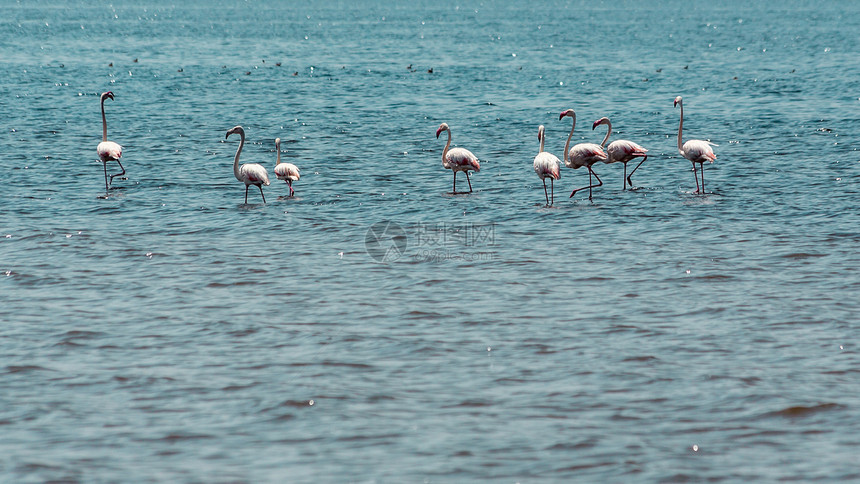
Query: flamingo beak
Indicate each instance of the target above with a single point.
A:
(560, 116)
(110, 95)
(596, 124)
(438, 131)
(676, 104)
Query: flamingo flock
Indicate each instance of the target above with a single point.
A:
(546, 165)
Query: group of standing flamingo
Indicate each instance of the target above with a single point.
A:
(460, 159)
(547, 165)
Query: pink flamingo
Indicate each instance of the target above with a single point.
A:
(457, 159)
(285, 171)
(621, 150)
(582, 154)
(695, 150)
(249, 173)
(108, 150)
(546, 165)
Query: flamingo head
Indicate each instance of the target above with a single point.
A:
(677, 100)
(235, 129)
(540, 132)
(569, 112)
(442, 127)
(603, 120)
(106, 95)
(277, 143)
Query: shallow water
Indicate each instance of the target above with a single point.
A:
(172, 333)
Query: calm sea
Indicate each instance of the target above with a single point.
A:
(377, 327)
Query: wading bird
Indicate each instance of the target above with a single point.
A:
(285, 171)
(249, 173)
(621, 150)
(108, 150)
(695, 150)
(546, 165)
(457, 159)
(582, 154)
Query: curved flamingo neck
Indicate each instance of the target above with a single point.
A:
(567, 144)
(104, 121)
(608, 132)
(238, 152)
(681, 128)
(542, 136)
(447, 145)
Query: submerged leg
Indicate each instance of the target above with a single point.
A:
(118, 174)
(590, 185)
(696, 176)
(634, 170)
(106, 178)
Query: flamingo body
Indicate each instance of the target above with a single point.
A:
(109, 151)
(698, 151)
(249, 173)
(547, 165)
(457, 159)
(585, 154)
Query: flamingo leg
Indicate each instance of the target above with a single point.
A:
(590, 185)
(106, 178)
(455, 183)
(552, 189)
(261, 193)
(117, 174)
(544, 192)
(696, 176)
(703, 178)
(290, 183)
(246, 194)
(634, 170)
(623, 180)
(470, 182)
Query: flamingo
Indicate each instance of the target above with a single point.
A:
(695, 150)
(285, 171)
(546, 165)
(582, 154)
(621, 150)
(249, 173)
(457, 159)
(108, 150)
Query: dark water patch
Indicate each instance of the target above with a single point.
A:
(801, 411)
(13, 369)
(802, 255)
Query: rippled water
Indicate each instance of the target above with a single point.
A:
(172, 333)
